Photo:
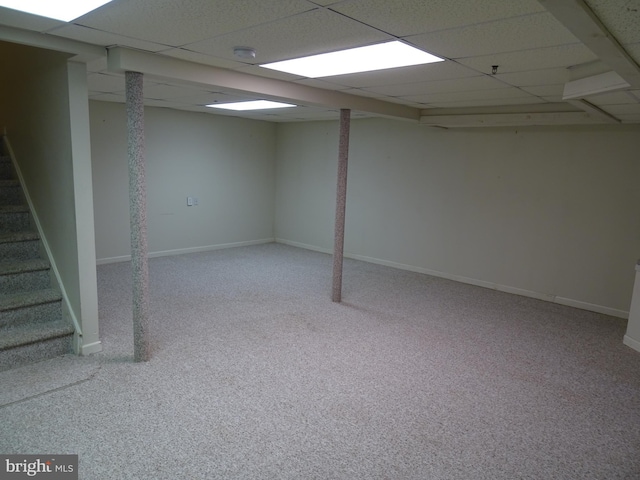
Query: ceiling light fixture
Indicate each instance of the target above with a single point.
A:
(65, 10)
(246, 53)
(354, 60)
(251, 105)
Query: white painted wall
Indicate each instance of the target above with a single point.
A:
(42, 98)
(546, 212)
(227, 163)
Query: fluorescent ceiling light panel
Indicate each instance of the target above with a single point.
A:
(253, 105)
(362, 59)
(65, 10)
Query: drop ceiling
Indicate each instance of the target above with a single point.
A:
(536, 51)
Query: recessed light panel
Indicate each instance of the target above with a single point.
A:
(362, 59)
(65, 10)
(252, 105)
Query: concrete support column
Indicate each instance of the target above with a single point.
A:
(341, 204)
(632, 337)
(138, 215)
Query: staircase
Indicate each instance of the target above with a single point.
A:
(32, 327)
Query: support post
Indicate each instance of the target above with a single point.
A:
(138, 215)
(341, 204)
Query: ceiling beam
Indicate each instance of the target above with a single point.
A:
(122, 59)
(510, 119)
(78, 51)
(580, 20)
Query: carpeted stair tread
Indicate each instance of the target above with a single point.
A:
(26, 334)
(23, 236)
(10, 183)
(14, 208)
(28, 299)
(23, 266)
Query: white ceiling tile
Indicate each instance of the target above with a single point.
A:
(204, 98)
(620, 17)
(520, 33)
(489, 102)
(629, 118)
(546, 90)
(411, 17)
(178, 23)
(615, 98)
(105, 39)
(470, 95)
(480, 82)
(537, 59)
(309, 33)
(549, 76)
(14, 18)
(326, 3)
(634, 51)
(631, 109)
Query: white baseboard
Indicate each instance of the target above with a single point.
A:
(590, 306)
(303, 245)
(94, 347)
(181, 251)
(630, 342)
(472, 281)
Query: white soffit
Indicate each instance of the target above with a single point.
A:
(410, 17)
(578, 17)
(98, 82)
(98, 37)
(185, 54)
(521, 33)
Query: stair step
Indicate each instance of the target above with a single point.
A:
(35, 307)
(14, 218)
(24, 275)
(11, 192)
(19, 245)
(23, 266)
(31, 343)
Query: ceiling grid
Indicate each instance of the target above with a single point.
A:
(537, 47)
